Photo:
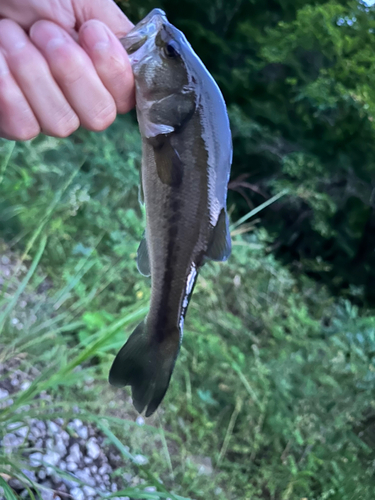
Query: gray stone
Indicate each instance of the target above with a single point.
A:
(71, 466)
(34, 431)
(50, 444)
(85, 477)
(74, 453)
(140, 460)
(127, 477)
(3, 393)
(41, 426)
(65, 436)
(13, 425)
(42, 474)
(140, 420)
(53, 428)
(83, 432)
(11, 441)
(22, 431)
(30, 474)
(39, 443)
(104, 469)
(77, 494)
(89, 491)
(25, 385)
(15, 483)
(93, 449)
(47, 495)
(76, 424)
(60, 446)
(69, 483)
(51, 458)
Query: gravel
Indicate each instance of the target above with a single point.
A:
(70, 459)
(73, 446)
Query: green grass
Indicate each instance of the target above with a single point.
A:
(272, 395)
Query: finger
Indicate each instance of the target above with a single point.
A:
(68, 14)
(17, 121)
(75, 74)
(104, 10)
(111, 62)
(33, 76)
(27, 13)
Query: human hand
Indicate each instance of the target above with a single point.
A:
(62, 66)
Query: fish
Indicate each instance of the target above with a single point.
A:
(186, 161)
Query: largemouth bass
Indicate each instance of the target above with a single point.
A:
(186, 159)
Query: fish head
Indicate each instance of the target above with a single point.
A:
(159, 54)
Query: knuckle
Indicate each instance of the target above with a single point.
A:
(73, 74)
(63, 127)
(28, 134)
(16, 118)
(117, 71)
(68, 65)
(21, 131)
(23, 62)
(103, 118)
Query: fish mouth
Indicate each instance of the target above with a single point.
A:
(143, 31)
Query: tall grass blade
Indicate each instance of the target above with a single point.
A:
(259, 209)
(8, 492)
(117, 443)
(5, 162)
(25, 281)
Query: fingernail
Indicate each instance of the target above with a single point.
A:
(13, 38)
(96, 36)
(48, 35)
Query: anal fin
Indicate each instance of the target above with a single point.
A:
(220, 245)
(143, 258)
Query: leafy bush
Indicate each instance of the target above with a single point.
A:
(271, 397)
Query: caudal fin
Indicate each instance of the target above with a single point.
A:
(146, 365)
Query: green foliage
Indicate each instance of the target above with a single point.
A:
(299, 79)
(272, 392)
(272, 396)
(91, 179)
(298, 387)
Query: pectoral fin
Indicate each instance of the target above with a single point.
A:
(220, 246)
(168, 164)
(143, 258)
(174, 110)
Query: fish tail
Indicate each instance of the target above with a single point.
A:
(146, 363)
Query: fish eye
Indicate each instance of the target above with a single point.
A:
(170, 50)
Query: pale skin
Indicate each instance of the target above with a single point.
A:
(62, 66)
